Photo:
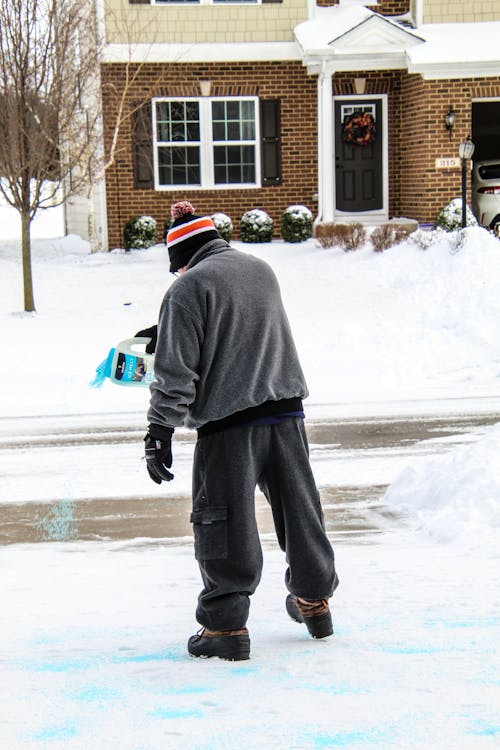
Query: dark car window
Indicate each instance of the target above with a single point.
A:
(489, 172)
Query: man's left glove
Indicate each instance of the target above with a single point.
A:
(159, 454)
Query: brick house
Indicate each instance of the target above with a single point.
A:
(241, 104)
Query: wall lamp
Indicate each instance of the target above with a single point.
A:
(449, 119)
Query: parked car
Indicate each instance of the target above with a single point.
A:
(486, 193)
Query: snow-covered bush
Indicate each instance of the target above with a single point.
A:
(296, 224)
(450, 216)
(387, 235)
(256, 226)
(354, 237)
(140, 232)
(424, 239)
(223, 225)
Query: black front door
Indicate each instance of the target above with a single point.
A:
(358, 168)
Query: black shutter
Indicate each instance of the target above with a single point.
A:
(142, 147)
(148, 2)
(270, 132)
(272, 1)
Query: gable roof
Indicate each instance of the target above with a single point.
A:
(354, 38)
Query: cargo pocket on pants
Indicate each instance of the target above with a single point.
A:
(210, 533)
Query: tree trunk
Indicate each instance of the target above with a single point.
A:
(95, 244)
(29, 301)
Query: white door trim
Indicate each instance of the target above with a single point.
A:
(382, 214)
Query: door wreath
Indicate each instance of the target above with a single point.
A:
(359, 129)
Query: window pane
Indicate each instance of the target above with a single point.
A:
(219, 131)
(248, 130)
(218, 110)
(233, 120)
(233, 131)
(179, 165)
(232, 110)
(177, 121)
(234, 164)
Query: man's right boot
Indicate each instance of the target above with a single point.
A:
(315, 615)
(232, 645)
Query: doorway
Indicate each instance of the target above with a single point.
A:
(486, 129)
(359, 169)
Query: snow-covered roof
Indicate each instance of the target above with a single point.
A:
(356, 38)
(466, 49)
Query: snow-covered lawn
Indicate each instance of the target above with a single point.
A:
(93, 633)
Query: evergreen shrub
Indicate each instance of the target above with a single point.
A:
(256, 226)
(296, 224)
(139, 233)
(450, 216)
(223, 225)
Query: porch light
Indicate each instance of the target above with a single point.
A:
(465, 151)
(449, 119)
(466, 148)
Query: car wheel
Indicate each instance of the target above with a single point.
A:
(495, 226)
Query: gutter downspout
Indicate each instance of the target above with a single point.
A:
(419, 13)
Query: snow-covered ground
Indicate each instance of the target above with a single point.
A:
(94, 633)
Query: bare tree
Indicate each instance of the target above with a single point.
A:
(49, 60)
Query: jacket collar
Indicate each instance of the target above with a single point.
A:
(210, 248)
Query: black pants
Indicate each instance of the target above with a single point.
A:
(228, 466)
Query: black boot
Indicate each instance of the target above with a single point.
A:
(315, 615)
(233, 645)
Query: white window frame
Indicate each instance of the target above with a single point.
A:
(167, 3)
(206, 144)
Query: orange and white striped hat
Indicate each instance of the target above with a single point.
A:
(187, 234)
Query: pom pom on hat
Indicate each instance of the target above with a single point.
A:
(181, 209)
(187, 234)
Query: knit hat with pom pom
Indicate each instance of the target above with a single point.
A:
(187, 234)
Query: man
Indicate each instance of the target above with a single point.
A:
(226, 365)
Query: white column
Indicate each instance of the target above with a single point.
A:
(326, 187)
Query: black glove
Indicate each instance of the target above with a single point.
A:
(151, 333)
(159, 456)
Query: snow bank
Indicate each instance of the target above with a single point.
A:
(417, 322)
(455, 496)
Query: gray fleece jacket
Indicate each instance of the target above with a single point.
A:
(224, 341)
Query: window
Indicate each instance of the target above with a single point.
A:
(204, 2)
(206, 143)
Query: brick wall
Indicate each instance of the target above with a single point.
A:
(416, 132)
(384, 7)
(417, 135)
(423, 189)
(287, 81)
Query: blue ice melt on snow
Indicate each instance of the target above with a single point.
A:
(62, 732)
(486, 731)
(175, 654)
(95, 694)
(344, 739)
